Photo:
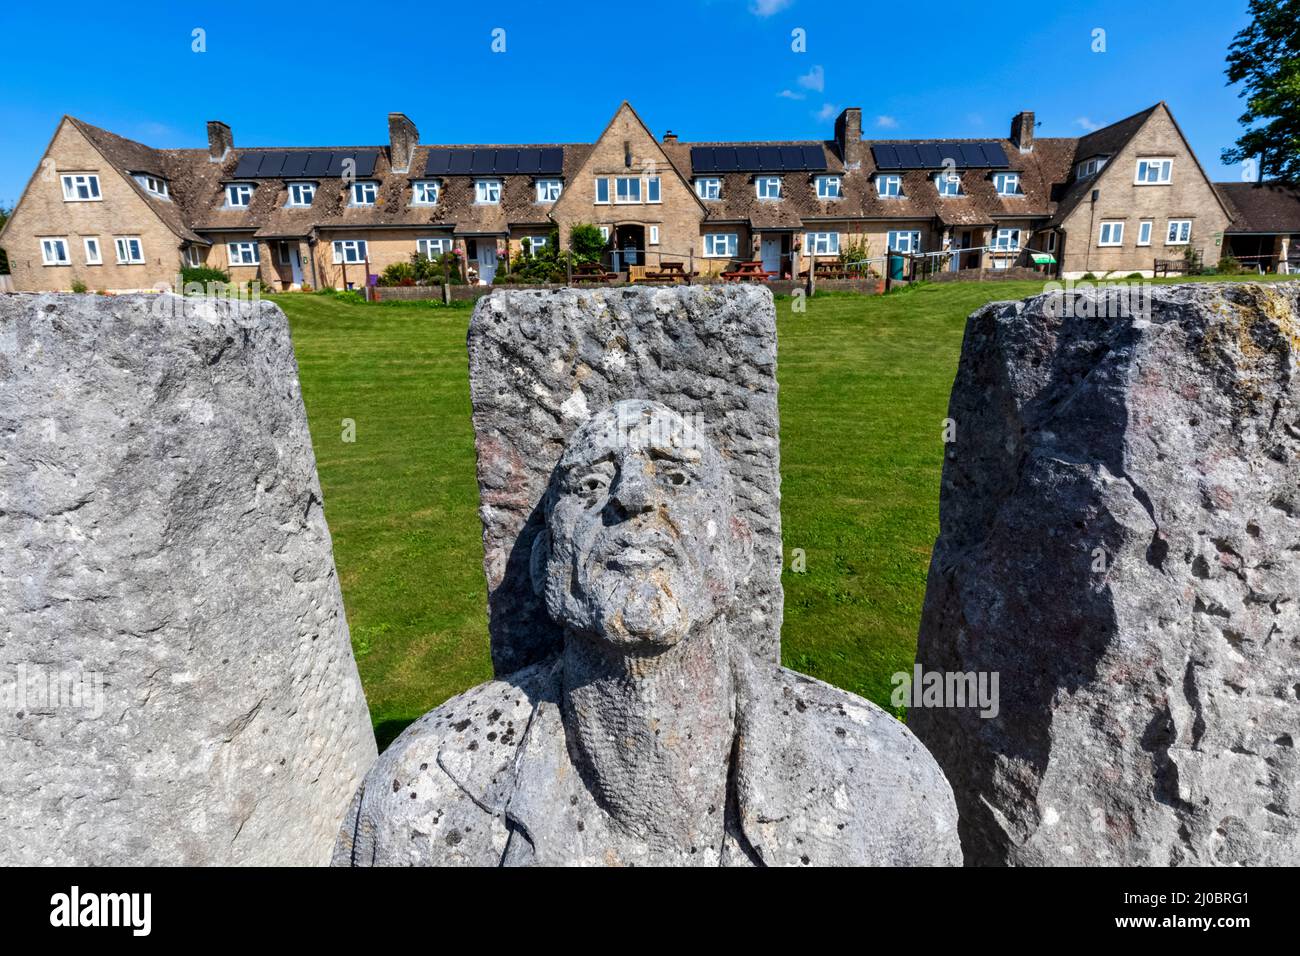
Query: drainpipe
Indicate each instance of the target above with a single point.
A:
(311, 253)
(1092, 224)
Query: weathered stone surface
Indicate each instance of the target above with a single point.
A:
(1120, 541)
(541, 362)
(161, 535)
(650, 736)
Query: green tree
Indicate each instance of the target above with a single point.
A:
(1265, 57)
(5, 213)
(586, 242)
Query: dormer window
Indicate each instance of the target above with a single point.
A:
(154, 185)
(948, 184)
(301, 195)
(365, 192)
(548, 190)
(424, 192)
(487, 191)
(239, 195)
(1007, 184)
(1155, 172)
(828, 187)
(1090, 167)
(80, 187)
(708, 187)
(889, 186)
(768, 187)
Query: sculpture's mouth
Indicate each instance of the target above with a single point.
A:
(637, 552)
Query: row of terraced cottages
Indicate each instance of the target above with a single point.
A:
(115, 214)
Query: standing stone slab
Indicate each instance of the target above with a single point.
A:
(541, 363)
(163, 547)
(1120, 541)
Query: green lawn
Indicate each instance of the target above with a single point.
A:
(864, 390)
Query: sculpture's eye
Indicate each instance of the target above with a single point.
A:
(592, 483)
(676, 477)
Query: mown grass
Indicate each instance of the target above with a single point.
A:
(864, 390)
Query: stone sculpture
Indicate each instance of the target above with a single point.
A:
(177, 679)
(650, 736)
(1120, 542)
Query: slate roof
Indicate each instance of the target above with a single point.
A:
(1267, 207)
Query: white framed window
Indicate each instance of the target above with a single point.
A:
(94, 255)
(349, 251)
(720, 245)
(708, 187)
(129, 250)
(365, 192)
(768, 187)
(1154, 171)
(432, 248)
(604, 233)
(1144, 232)
(548, 190)
(828, 187)
(1112, 234)
(822, 243)
(301, 194)
(1179, 232)
(654, 235)
(602, 190)
(652, 189)
(889, 186)
(948, 184)
(80, 187)
(905, 240)
(537, 243)
(424, 192)
(54, 251)
(1090, 166)
(243, 253)
(153, 184)
(487, 191)
(193, 256)
(1007, 240)
(1007, 184)
(627, 189)
(239, 195)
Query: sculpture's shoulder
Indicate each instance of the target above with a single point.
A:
(436, 796)
(825, 777)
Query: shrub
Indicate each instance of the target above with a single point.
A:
(78, 286)
(544, 265)
(399, 273)
(1134, 275)
(586, 243)
(203, 275)
(1089, 277)
(1228, 265)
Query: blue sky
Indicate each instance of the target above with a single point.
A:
(324, 74)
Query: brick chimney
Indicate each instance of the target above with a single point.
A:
(220, 140)
(1022, 131)
(670, 137)
(848, 133)
(402, 140)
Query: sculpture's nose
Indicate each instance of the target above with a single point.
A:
(631, 494)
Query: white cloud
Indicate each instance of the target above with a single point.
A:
(765, 8)
(791, 95)
(886, 122)
(828, 112)
(814, 79)
(1087, 124)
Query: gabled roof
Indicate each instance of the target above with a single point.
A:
(1106, 141)
(1266, 207)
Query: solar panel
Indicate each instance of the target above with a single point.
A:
(702, 160)
(294, 164)
(317, 163)
(937, 155)
(482, 161)
(814, 157)
(270, 165)
(246, 168)
(551, 160)
(505, 161)
(769, 158)
(726, 160)
(529, 160)
(437, 162)
(747, 157)
(460, 162)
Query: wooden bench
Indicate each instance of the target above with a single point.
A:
(592, 272)
(748, 272)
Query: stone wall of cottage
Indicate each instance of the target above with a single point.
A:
(121, 211)
(1188, 196)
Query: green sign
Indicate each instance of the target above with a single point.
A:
(1043, 259)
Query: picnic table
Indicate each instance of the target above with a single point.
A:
(748, 272)
(592, 272)
(831, 270)
(667, 272)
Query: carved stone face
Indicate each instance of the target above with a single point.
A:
(640, 541)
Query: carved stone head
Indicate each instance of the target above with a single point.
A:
(641, 545)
